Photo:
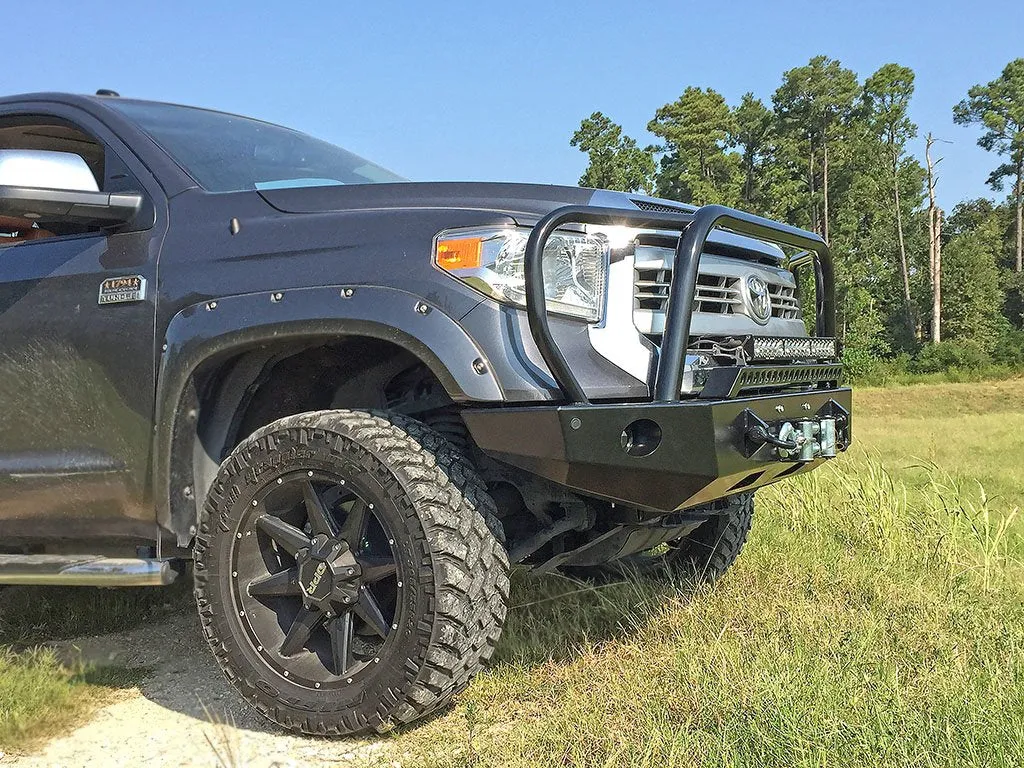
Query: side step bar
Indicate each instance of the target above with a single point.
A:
(87, 571)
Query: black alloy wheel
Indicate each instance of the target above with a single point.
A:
(316, 577)
(347, 572)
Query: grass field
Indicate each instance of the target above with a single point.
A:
(876, 617)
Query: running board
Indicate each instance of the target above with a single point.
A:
(86, 571)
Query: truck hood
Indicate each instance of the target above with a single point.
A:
(524, 202)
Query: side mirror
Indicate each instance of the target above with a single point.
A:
(58, 187)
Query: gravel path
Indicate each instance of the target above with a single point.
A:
(184, 714)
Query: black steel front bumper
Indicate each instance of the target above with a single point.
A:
(703, 454)
(669, 453)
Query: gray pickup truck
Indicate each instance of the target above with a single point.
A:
(348, 403)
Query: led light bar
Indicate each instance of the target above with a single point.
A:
(785, 348)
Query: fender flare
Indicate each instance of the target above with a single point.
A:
(227, 325)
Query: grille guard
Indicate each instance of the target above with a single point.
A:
(694, 228)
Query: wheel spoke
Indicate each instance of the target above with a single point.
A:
(288, 537)
(376, 568)
(305, 622)
(369, 611)
(319, 517)
(355, 524)
(341, 642)
(279, 584)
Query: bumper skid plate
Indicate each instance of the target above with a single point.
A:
(662, 457)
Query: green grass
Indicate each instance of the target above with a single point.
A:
(897, 375)
(39, 696)
(876, 617)
(972, 433)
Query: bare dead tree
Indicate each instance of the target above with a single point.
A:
(934, 242)
(904, 269)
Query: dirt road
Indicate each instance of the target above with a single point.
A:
(183, 714)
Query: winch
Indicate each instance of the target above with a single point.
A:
(806, 440)
(821, 436)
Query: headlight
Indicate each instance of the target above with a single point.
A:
(491, 260)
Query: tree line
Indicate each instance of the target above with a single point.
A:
(917, 286)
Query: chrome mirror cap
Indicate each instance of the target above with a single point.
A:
(44, 169)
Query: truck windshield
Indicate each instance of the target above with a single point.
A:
(229, 153)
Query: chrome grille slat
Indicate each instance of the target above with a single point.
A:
(715, 294)
(784, 301)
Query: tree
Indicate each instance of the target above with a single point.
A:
(753, 127)
(814, 103)
(695, 167)
(616, 162)
(934, 243)
(972, 295)
(886, 99)
(999, 108)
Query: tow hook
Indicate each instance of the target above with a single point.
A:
(803, 440)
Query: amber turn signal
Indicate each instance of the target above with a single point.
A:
(462, 253)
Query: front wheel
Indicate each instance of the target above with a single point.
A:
(708, 552)
(346, 575)
(702, 557)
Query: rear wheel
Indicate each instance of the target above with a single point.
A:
(346, 575)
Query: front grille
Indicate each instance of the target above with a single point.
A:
(715, 294)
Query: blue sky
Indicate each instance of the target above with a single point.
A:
(473, 90)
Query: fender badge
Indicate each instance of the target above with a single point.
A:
(121, 290)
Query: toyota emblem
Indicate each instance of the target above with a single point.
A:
(759, 299)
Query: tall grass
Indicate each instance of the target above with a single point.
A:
(866, 623)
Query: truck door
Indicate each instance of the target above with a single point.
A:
(77, 349)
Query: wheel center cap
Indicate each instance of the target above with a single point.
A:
(328, 573)
(313, 580)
